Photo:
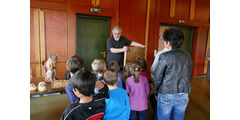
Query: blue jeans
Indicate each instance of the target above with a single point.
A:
(142, 115)
(172, 104)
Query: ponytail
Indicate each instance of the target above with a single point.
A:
(136, 76)
(135, 68)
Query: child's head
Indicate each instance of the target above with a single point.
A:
(74, 64)
(114, 65)
(126, 72)
(98, 66)
(135, 69)
(110, 76)
(83, 81)
(143, 64)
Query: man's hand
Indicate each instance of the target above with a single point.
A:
(124, 49)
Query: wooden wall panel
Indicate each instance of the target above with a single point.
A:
(56, 34)
(182, 9)
(133, 19)
(60, 1)
(115, 17)
(165, 7)
(60, 28)
(71, 29)
(103, 3)
(60, 69)
(199, 49)
(87, 11)
(48, 5)
(202, 11)
(35, 54)
(34, 36)
(83, 3)
(151, 33)
(109, 4)
(36, 70)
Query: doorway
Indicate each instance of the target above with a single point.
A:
(188, 37)
(91, 37)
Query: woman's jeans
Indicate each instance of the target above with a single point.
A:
(172, 104)
(142, 115)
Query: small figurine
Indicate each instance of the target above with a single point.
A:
(42, 86)
(50, 68)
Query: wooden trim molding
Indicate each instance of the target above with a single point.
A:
(37, 43)
(71, 14)
(42, 38)
(192, 10)
(36, 35)
(48, 5)
(147, 27)
(207, 48)
(172, 8)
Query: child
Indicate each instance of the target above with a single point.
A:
(99, 66)
(87, 108)
(143, 66)
(137, 87)
(114, 65)
(117, 106)
(126, 73)
(74, 64)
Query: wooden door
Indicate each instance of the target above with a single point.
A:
(48, 36)
(37, 50)
(188, 37)
(91, 37)
(56, 41)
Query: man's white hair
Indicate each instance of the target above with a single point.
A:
(117, 28)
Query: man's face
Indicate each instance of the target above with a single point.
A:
(116, 34)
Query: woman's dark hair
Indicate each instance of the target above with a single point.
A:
(74, 64)
(174, 36)
(114, 65)
(135, 69)
(84, 81)
(143, 64)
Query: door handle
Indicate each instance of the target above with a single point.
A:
(103, 53)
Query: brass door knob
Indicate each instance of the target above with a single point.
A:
(104, 54)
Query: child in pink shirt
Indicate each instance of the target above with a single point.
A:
(137, 87)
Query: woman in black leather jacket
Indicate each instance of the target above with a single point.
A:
(172, 77)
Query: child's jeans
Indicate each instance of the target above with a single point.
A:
(142, 115)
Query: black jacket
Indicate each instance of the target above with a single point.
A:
(173, 73)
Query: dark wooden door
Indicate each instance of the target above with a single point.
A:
(91, 37)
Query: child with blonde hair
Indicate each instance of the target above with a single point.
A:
(126, 73)
(99, 67)
(137, 87)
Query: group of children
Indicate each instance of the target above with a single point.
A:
(106, 93)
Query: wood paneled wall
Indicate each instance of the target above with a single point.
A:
(60, 25)
(59, 32)
(195, 13)
(133, 19)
